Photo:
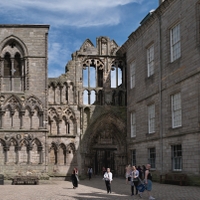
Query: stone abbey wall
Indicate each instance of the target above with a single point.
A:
(49, 126)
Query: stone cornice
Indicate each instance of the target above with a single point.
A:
(145, 25)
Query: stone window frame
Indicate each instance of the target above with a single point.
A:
(133, 124)
(177, 157)
(175, 42)
(152, 157)
(150, 60)
(12, 46)
(151, 118)
(176, 110)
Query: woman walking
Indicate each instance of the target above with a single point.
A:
(74, 178)
(134, 180)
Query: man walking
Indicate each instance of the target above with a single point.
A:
(148, 181)
(90, 171)
(108, 179)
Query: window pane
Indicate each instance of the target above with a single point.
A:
(134, 157)
(152, 157)
(151, 118)
(133, 125)
(176, 110)
(175, 43)
(150, 60)
(177, 157)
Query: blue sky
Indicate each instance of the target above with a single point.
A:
(73, 21)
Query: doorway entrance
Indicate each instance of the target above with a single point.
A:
(104, 158)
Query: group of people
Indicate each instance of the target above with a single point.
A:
(134, 176)
(137, 175)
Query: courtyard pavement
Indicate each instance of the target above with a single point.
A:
(93, 189)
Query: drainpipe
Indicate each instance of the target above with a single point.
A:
(160, 94)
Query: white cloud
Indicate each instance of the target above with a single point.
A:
(57, 56)
(78, 13)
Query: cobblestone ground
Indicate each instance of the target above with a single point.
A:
(93, 189)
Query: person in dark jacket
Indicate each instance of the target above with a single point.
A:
(74, 178)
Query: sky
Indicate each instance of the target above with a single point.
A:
(73, 21)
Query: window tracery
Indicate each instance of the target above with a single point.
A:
(13, 67)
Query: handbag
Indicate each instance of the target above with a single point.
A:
(141, 187)
(135, 179)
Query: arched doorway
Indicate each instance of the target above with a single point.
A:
(105, 145)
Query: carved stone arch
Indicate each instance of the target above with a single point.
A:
(38, 143)
(118, 62)
(63, 146)
(27, 107)
(23, 153)
(62, 154)
(33, 102)
(69, 113)
(97, 62)
(54, 146)
(15, 42)
(12, 148)
(71, 120)
(14, 140)
(52, 112)
(25, 142)
(3, 142)
(71, 147)
(59, 84)
(106, 121)
(53, 157)
(52, 84)
(14, 102)
(35, 148)
(104, 143)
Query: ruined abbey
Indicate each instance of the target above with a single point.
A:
(50, 125)
(134, 104)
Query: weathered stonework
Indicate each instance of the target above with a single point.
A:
(180, 76)
(23, 94)
(46, 127)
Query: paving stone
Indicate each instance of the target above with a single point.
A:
(93, 189)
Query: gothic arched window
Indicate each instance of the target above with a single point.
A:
(13, 67)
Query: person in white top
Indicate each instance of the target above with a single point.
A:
(108, 178)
